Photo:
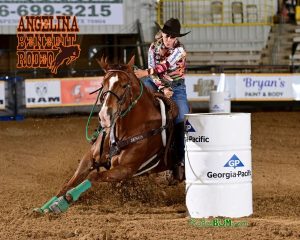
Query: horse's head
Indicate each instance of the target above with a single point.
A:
(119, 82)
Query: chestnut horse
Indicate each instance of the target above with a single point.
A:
(131, 137)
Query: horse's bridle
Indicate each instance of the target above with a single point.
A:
(121, 99)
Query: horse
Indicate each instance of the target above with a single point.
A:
(135, 136)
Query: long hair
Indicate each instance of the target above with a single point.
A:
(158, 36)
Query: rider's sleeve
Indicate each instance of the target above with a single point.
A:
(171, 64)
(151, 57)
(172, 69)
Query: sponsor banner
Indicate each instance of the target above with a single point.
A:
(245, 87)
(87, 13)
(42, 93)
(76, 91)
(219, 167)
(61, 92)
(296, 86)
(264, 87)
(198, 86)
(2, 95)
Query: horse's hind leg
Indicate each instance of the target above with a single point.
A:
(81, 173)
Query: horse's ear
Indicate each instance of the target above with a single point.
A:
(131, 61)
(103, 63)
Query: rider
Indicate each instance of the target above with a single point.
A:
(165, 73)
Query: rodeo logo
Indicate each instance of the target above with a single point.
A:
(47, 42)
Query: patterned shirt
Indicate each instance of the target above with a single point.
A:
(168, 64)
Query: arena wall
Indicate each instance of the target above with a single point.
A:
(72, 95)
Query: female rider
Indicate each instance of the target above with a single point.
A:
(165, 73)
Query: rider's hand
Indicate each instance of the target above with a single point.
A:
(168, 92)
(141, 73)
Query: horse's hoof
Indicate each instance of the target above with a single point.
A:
(38, 210)
(169, 176)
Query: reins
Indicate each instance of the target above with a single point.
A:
(99, 129)
(123, 114)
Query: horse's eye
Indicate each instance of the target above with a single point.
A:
(125, 86)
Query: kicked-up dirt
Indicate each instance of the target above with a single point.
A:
(38, 154)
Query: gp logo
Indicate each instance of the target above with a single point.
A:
(234, 162)
(189, 127)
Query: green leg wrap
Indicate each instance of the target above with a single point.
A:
(60, 205)
(46, 206)
(77, 191)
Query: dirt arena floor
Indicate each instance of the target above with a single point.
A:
(37, 155)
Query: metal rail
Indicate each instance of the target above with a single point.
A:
(206, 13)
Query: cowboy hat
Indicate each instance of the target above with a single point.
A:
(172, 28)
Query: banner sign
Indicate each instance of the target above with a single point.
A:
(47, 42)
(61, 92)
(2, 95)
(264, 87)
(42, 93)
(87, 12)
(245, 87)
(198, 86)
(242, 87)
(76, 91)
(296, 86)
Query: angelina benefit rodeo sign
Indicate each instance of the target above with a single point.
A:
(47, 42)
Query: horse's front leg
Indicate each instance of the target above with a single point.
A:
(80, 174)
(115, 174)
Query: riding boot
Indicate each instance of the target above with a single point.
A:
(178, 166)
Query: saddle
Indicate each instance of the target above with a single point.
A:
(172, 109)
(171, 113)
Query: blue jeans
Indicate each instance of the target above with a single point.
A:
(180, 98)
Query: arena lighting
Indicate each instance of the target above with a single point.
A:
(92, 53)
